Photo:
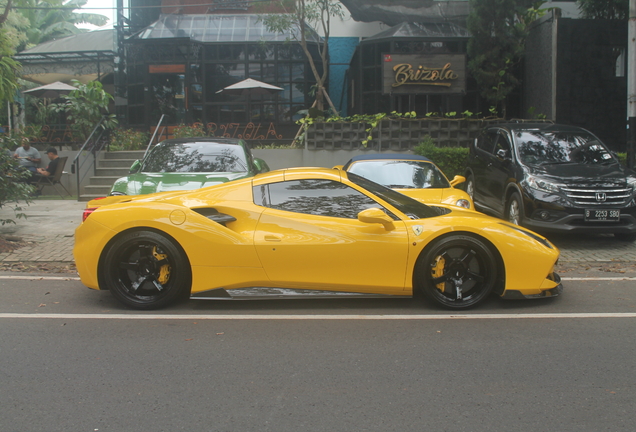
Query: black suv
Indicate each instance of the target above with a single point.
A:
(551, 178)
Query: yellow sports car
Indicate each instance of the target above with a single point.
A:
(303, 232)
(412, 175)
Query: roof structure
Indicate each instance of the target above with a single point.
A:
(84, 57)
(422, 31)
(393, 12)
(216, 28)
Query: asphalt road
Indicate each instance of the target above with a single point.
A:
(73, 359)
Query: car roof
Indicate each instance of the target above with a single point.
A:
(388, 156)
(217, 140)
(540, 126)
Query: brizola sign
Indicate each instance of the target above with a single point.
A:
(420, 74)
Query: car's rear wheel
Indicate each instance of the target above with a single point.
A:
(457, 272)
(146, 270)
(514, 209)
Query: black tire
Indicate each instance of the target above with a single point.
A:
(145, 270)
(625, 237)
(470, 187)
(514, 209)
(457, 272)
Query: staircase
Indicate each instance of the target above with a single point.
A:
(110, 167)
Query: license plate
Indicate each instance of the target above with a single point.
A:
(602, 215)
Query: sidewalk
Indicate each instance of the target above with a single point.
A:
(47, 237)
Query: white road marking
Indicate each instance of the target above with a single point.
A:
(40, 277)
(316, 317)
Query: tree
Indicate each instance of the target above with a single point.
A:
(85, 107)
(604, 9)
(499, 29)
(297, 16)
(53, 19)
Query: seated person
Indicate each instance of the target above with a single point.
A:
(52, 166)
(29, 157)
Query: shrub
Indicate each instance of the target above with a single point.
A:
(13, 188)
(189, 131)
(128, 139)
(451, 160)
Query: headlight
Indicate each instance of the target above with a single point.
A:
(631, 182)
(542, 185)
(463, 203)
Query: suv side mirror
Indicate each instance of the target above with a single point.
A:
(502, 154)
(135, 167)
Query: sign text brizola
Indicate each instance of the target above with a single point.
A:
(424, 74)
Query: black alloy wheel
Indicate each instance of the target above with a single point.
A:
(146, 270)
(457, 272)
(514, 209)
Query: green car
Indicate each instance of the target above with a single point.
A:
(189, 163)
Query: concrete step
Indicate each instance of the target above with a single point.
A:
(98, 190)
(116, 163)
(112, 172)
(103, 180)
(127, 154)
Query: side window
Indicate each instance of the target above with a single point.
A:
(316, 197)
(486, 140)
(503, 143)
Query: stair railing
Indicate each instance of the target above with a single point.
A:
(93, 145)
(154, 134)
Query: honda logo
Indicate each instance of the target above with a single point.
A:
(601, 197)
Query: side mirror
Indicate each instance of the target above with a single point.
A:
(457, 180)
(261, 165)
(502, 154)
(375, 215)
(338, 167)
(135, 167)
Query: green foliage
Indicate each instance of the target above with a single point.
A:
(451, 160)
(128, 139)
(499, 29)
(13, 188)
(622, 158)
(189, 131)
(48, 21)
(604, 9)
(85, 107)
(9, 69)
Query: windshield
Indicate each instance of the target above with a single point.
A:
(195, 157)
(407, 205)
(540, 148)
(401, 174)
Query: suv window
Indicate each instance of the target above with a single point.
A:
(316, 197)
(503, 143)
(486, 140)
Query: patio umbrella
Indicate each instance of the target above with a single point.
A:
(50, 91)
(250, 87)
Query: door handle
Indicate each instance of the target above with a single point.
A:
(272, 238)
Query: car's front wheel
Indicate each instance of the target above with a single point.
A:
(457, 271)
(514, 212)
(145, 270)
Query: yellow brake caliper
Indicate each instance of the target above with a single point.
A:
(164, 271)
(437, 270)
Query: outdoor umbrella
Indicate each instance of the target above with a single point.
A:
(250, 87)
(50, 91)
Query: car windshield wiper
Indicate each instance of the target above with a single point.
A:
(556, 163)
(398, 186)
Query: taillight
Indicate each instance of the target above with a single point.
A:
(87, 212)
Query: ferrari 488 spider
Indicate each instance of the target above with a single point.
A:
(305, 232)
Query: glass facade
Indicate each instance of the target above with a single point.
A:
(179, 65)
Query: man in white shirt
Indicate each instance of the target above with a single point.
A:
(29, 157)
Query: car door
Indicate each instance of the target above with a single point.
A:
(497, 174)
(309, 237)
(480, 164)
